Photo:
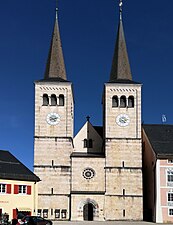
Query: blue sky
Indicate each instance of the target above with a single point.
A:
(88, 33)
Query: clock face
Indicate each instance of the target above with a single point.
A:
(123, 120)
(53, 118)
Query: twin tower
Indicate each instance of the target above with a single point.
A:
(96, 175)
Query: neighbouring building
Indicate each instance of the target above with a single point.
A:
(18, 187)
(96, 175)
(158, 172)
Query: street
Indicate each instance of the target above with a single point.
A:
(104, 223)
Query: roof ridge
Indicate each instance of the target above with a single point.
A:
(8, 162)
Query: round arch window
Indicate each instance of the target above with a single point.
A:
(88, 173)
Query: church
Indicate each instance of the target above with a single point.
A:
(122, 170)
(98, 174)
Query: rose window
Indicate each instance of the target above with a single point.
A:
(88, 173)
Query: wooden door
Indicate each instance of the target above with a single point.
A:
(88, 212)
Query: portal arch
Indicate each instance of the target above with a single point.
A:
(93, 208)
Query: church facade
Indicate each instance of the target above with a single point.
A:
(96, 175)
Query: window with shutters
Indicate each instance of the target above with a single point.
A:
(2, 188)
(8, 188)
(28, 190)
(22, 189)
(16, 189)
(5, 188)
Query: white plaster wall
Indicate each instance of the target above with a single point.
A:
(82, 134)
(159, 217)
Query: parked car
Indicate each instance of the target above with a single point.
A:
(4, 219)
(35, 220)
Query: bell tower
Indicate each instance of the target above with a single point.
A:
(54, 106)
(122, 134)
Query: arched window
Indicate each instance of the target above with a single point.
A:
(131, 102)
(115, 101)
(53, 100)
(45, 100)
(85, 143)
(61, 100)
(123, 101)
(88, 143)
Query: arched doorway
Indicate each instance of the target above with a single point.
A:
(93, 212)
(88, 212)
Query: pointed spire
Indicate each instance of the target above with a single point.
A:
(56, 13)
(121, 8)
(120, 64)
(55, 67)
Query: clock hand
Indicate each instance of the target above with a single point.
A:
(123, 120)
(53, 119)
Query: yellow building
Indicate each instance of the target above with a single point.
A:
(18, 187)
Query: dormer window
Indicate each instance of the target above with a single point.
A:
(85, 143)
(45, 100)
(88, 143)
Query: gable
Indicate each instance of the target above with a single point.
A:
(88, 132)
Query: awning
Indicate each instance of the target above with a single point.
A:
(24, 209)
